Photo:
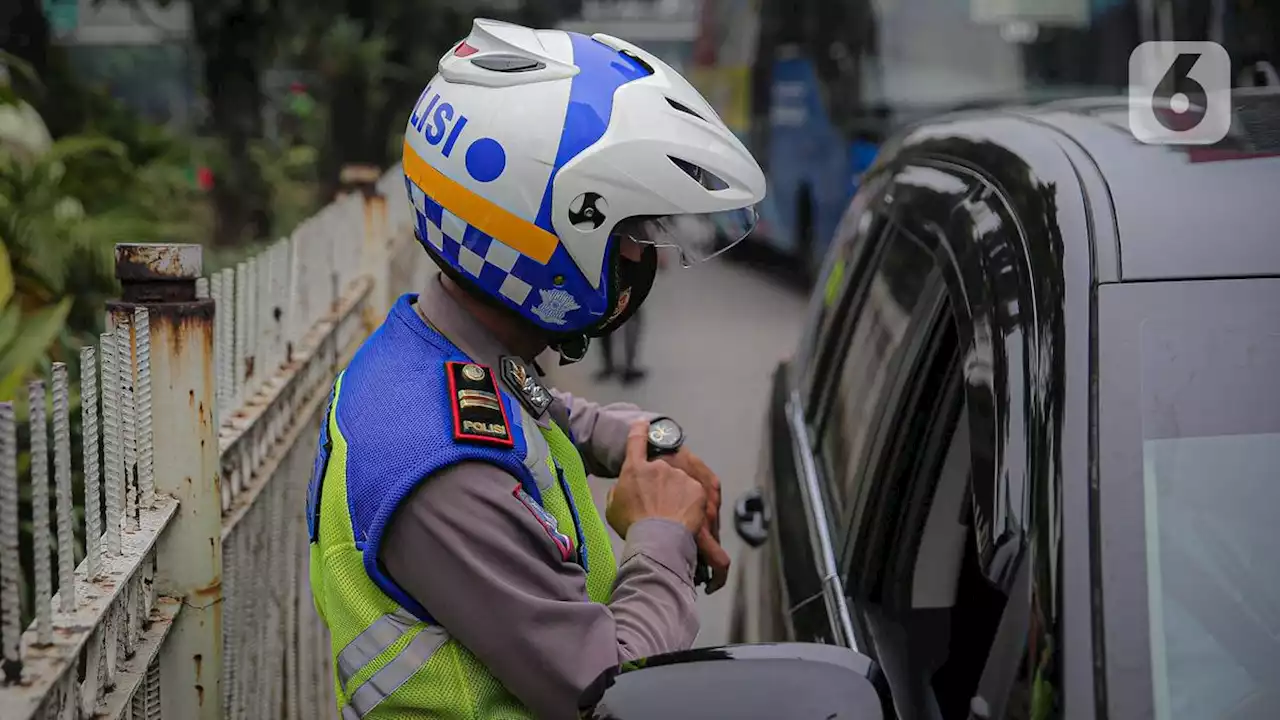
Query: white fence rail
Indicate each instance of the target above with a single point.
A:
(199, 408)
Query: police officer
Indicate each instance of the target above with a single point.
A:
(458, 559)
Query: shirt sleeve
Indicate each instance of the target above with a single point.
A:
(600, 431)
(476, 557)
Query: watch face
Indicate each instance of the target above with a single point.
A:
(664, 433)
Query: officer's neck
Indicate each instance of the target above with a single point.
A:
(513, 335)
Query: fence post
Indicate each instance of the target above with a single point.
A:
(375, 259)
(162, 278)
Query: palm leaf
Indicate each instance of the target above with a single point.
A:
(67, 148)
(24, 68)
(6, 277)
(27, 350)
(10, 319)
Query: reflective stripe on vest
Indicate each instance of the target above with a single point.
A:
(372, 642)
(391, 676)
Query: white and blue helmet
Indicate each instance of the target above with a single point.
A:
(528, 149)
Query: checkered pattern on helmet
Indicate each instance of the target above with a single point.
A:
(554, 295)
(496, 267)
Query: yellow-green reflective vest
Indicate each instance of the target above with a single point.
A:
(379, 439)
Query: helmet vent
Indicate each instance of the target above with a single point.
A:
(637, 60)
(703, 177)
(507, 63)
(684, 109)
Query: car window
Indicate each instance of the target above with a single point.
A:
(895, 287)
(832, 294)
(1190, 432)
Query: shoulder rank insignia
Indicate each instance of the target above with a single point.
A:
(478, 413)
(525, 384)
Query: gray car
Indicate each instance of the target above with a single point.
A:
(1027, 456)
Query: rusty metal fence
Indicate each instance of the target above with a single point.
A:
(199, 408)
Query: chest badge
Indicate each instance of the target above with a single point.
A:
(525, 384)
(478, 413)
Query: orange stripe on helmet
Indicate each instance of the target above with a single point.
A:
(483, 214)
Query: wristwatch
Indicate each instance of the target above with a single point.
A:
(665, 437)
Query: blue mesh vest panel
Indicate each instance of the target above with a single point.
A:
(394, 412)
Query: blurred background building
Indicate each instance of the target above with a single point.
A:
(139, 52)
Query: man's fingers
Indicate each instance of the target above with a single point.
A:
(716, 558)
(638, 442)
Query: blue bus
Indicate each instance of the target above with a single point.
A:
(814, 86)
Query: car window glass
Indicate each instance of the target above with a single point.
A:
(895, 288)
(831, 294)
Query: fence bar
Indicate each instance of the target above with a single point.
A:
(362, 182)
(40, 510)
(189, 560)
(62, 483)
(219, 356)
(242, 332)
(226, 319)
(279, 301)
(89, 433)
(142, 380)
(128, 424)
(202, 288)
(111, 444)
(10, 571)
(255, 329)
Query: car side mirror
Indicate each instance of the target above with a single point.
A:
(797, 681)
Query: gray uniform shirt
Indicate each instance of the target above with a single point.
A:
(477, 559)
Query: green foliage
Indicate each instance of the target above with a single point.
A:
(24, 336)
(291, 173)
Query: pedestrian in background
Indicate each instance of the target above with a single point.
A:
(631, 330)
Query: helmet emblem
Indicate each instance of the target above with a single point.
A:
(587, 211)
(556, 303)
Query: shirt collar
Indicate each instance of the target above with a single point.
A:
(441, 311)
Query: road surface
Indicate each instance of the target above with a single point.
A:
(713, 335)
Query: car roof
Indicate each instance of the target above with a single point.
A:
(1180, 211)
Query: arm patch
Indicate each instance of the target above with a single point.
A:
(479, 415)
(547, 521)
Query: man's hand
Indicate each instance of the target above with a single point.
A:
(648, 489)
(709, 547)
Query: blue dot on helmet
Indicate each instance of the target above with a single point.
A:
(486, 159)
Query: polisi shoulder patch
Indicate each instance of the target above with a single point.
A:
(478, 413)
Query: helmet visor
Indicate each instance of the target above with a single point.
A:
(697, 237)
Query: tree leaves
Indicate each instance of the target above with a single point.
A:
(6, 278)
(23, 339)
